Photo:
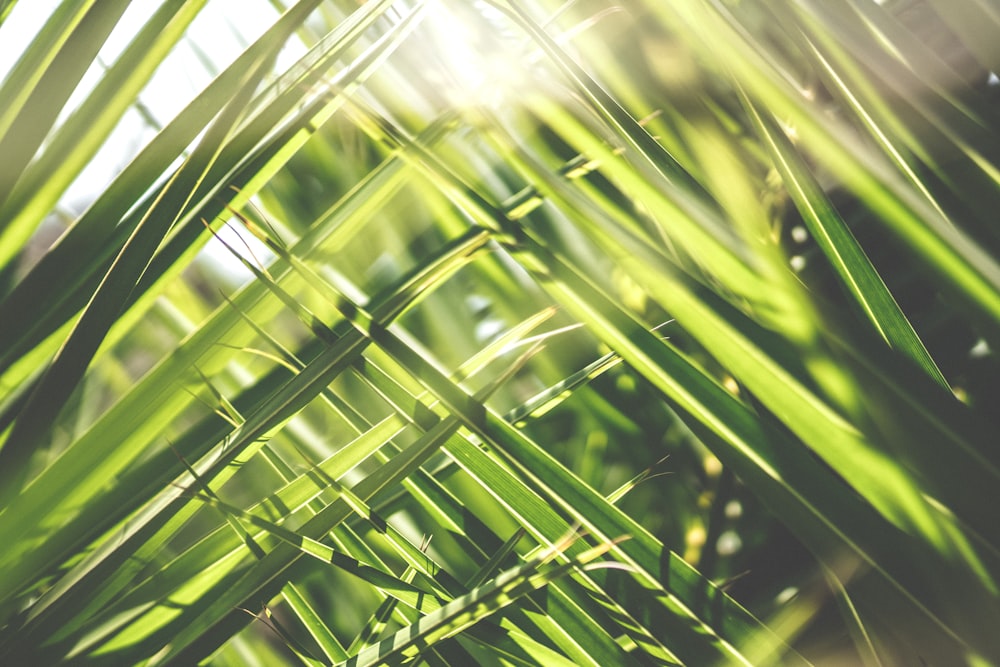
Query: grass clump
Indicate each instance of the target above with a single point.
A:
(502, 333)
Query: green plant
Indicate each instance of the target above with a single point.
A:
(498, 266)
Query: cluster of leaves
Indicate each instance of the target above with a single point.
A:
(500, 259)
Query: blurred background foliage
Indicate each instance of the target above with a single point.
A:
(472, 332)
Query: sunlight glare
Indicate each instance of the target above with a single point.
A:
(478, 56)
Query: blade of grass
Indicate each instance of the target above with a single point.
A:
(842, 250)
(77, 140)
(90, 244)
(30, 431)
(54, 76)
(463, 612)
